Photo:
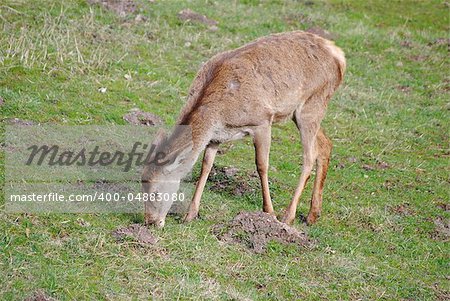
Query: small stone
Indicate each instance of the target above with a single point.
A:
(82, 222)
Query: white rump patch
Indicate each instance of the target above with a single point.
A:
(336, 52)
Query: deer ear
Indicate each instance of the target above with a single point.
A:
(160, 138)
(179, 158)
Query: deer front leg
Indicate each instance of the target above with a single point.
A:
(261, 141)
(208, 160)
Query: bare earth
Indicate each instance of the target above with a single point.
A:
(135, 232)
(120, 7)
(256, 229)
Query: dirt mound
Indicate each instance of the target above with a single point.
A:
(120, 7)
(256, 229)
(135, 232)
(137, 117)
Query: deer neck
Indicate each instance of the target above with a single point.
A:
(185, 145)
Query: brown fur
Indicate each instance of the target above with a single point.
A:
(243, 91)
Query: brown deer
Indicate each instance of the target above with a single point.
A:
(243, 92)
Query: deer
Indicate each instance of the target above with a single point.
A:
(243, 92)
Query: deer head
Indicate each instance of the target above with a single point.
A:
(170, 161)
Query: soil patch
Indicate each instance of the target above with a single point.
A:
(404, 88)
(380, 165)
(256, 229)
(120, 7)
(188, 15)
(440, 42)
(224, 148)
(352, 159)
(403, 209)
(2, 101)
(106, 186)
(230, 171)
(342, 164)
(443, 206)
(406, 44)
(39, 296)
(227, 180)
(21, 122)
(445, 85)
(322, 33)
(442, 229)
(137, 117)
(440, 292)
(136, 233)
(417, 58)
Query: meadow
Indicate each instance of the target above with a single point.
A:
(384, 229)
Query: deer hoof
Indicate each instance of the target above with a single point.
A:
(189, 217)
(312, 218)
(287, 219)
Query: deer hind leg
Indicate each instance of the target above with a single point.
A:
(261, 141)
(324, 147)
(308, 120)
(207, 163)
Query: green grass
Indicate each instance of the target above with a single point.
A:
(55, 56)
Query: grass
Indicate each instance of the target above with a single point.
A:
(393, 107)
